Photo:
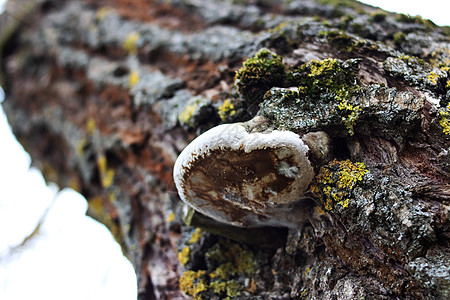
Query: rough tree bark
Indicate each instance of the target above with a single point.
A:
(105, 94)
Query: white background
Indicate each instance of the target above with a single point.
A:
(73, 256)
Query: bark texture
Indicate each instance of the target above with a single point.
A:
(105, 94)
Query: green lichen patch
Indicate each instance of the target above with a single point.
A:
(258, 74)
(342, 4)
(224, 271)
(335, 182)
(323, 97)
(398, 38)
(340, 40)
(416, 71)
(325, 80)
(378, 16)
(417, 20)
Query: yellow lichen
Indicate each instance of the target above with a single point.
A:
(433, 77)
(352, 115)
(447, 85)
(232, 262)
(222, 271)
(350, 173)
(218, 287)
(445, 120)
(171, 217)
(192, 284)
(106, 174)
(130, 43)
(90, 126)
(233, 288)
(188, 112)
(226, 110)
(103, 12)
(335, 182)
(133, 78)
(183, 255)
(198, 233)
(317, 68)
(320, 211)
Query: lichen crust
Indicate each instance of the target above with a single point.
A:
(239, 177)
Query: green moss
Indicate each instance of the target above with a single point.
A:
(341, 3)
(335, 182)
(340, 40)
(399, 38)
(417, 20)
(329, 79)
(404, 18)
(326, 23)
(258, 74)
(345, 20)
(445, 30)
(325, 90)
(319, 76)
(378, 16)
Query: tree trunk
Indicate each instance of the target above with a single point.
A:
(104, 95)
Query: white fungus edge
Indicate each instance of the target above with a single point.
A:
(233, 137)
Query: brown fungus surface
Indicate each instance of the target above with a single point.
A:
(242, 178)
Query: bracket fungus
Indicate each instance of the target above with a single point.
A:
(244, 174)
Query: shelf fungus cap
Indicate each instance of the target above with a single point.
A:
(240, 177)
